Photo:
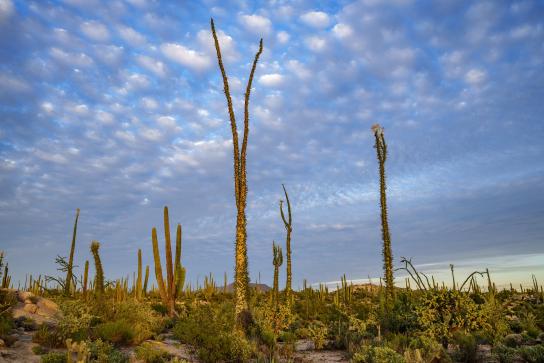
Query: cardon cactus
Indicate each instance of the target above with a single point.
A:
(99, 278)
(69, 271)
(175, 276)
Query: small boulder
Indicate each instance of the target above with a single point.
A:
(2, 344)
(31, 308)
(303, 345)
(24, 295)
(513, 340)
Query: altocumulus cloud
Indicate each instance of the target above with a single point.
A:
(118, 108)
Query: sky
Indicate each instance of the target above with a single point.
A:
(117, 108)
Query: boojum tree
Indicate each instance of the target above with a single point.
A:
(241, 274)
(288, 223)
(381, 150)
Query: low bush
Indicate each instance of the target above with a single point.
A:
(373, 354)
(104, 352)
(118, 332)
(54, 357)
(151, 354)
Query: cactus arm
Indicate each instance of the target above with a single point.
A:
(158, 267)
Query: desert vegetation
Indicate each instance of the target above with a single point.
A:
(80, 318)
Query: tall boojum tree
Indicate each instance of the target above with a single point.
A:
(241, 274)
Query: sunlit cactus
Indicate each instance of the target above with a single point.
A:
(288, 223)
(85, 278)
(241, 277)
(99, 278)
(146, 279)
(139, 276)
(69, 271)
(277, 261)
(170, 288)
(381, 150)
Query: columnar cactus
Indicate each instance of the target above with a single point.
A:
(146, 278)
(381, 150)
(277, 260)
(288, 223)
(241, 276)
(173, 285)
(139, 276)
(85, 278)
(69, 271)
(99, 278)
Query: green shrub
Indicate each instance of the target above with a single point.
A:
(76, 320)
(54, 357)
(104, 352)
(533, 354)
(144, 321)
(506, 354)
(372, 354)
(317, 332)
(468, 347)
(6, 324)
(212, 331)
(118, 332)
(39, 350)
(49, 337)
(151, 354)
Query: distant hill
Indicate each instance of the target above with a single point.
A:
(260, 287)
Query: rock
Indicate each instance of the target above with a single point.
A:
(2, 344)
(31, 308)
(47, 305)
(304, 344)
(513, 340)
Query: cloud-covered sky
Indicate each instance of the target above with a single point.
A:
(117, 108)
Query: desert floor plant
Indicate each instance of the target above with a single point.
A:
(241, 275)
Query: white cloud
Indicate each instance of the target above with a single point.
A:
(192, 59)
(48, 107)
(12, 85)
(127, 136)
(6, 10)
(153, 65)
(109, 54)
(137, 81)
(104, 117)
(283, 37)
(151, 134)
(167, 121)
(316, 43)
(149, 103)
(95, 30)
(271, 80)
(131, 36)
(342, 30)
(71, 59)
(316, 19)
(256, 24)
(299, 69)
(228, 51)
(475, 76)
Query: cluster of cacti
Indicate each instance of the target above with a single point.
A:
(138, 288)
(209, 287)
(99, 277)
(288, 223)
(80, 349)
(121, 292)
(175, 273)
(347, 290)
(70, 267)
(381, 150)
(6, 278)
(241, 276)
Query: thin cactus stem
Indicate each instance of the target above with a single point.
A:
(381, 150)
(276, 261)
(158, 266)
(139, 276)
(69, 271)
(289, 229)
(146, 279)
(85, 278)
(241, 276)
(452, 275)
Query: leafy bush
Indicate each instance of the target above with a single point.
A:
(39, 350)
(76, 319)
(104, 352)
(372, 354)
(441, 312)
(49, 337)
(317, 333)
(54, 357)
(118, 332)
(533, 354)
(212, 331)
(151, 354)
(468, 347)
(145, 322)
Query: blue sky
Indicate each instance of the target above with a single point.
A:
(116, 107)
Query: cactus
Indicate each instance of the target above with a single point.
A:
(170, 288)
(146, 278)
(6, 278)
(69, 271)
(381, 150)
(277, 260)
(289, 228)
(139, 278)
(85, 278)
(99, 278)
(241, 276)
